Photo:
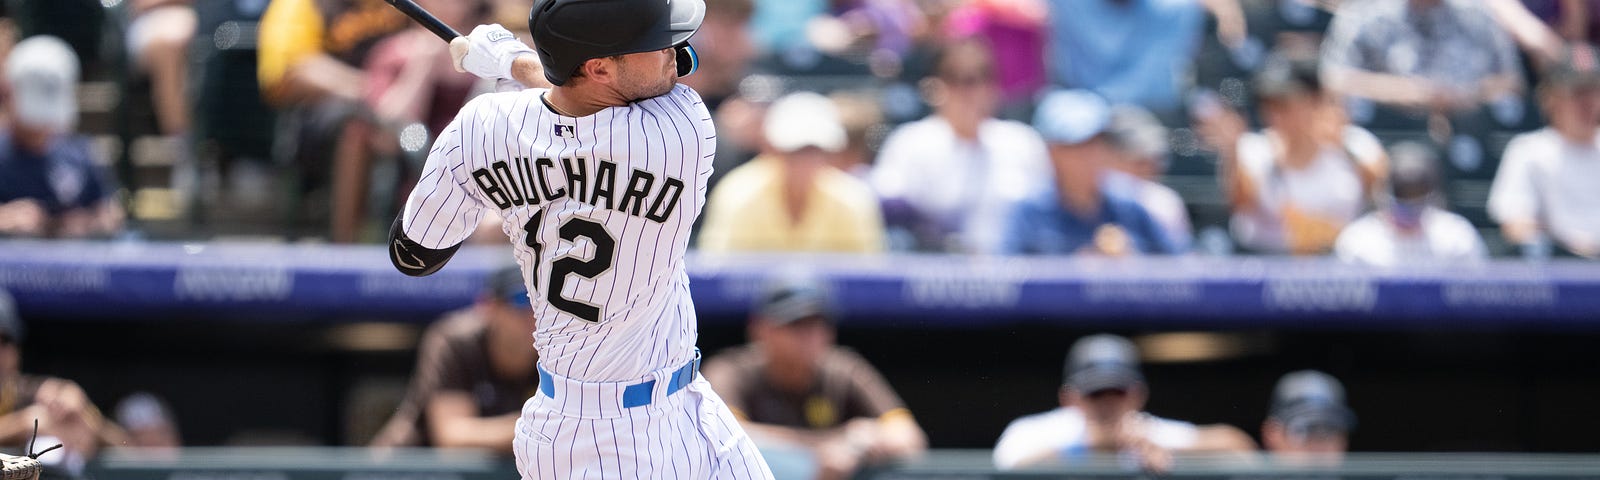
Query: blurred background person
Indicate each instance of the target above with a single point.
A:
(149, 423)
(792, 198)
(1441, 55)
(1296, 183)
(63, 411)
(724, 50)
(309, 68)
(475, 369)
(158, 41)
(51, 184)
(1102, 401)
(1544, 194)
(947, 180)
(1141, 146)
(412, 91)
(1308, 422)
(1133, 51)
(1016, 32)
(1080, 214)
(1410, 225)
(815, 409)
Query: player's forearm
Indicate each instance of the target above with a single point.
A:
(527, 71)
(493, 433)
(765, 432)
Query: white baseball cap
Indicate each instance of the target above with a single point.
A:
(1070, 117)
(43, 73)
(804, 119)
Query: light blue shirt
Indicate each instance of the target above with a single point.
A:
(1129, 51)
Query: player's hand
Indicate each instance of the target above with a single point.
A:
(487, 52)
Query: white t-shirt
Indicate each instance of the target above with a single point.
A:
(1063, 432)
(1553, 182)
(966, 186)
(1444, 238)
(598, 210)
(1329, 187)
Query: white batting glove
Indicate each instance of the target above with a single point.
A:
(487, 52)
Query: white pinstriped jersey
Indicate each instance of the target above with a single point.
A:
(598, 209)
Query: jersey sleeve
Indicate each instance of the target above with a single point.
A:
(870, 394)
(290, 30)
(1512, 196)
(443, 210)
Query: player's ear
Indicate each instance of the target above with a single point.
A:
(603, 70)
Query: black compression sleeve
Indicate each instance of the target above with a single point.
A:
(413, 259)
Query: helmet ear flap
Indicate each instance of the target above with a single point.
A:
(688, 60)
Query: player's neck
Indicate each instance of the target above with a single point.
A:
(576, 101)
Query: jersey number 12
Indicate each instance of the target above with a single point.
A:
(604, 251)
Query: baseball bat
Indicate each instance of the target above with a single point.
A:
(428, 21)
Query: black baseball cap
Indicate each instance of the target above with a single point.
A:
(1309, 400)
(1414, 171)
(10, 322)
(506, 285)
(1103, 362)
(789, 300)
(1281, 76)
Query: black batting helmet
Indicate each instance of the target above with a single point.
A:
(567, 33)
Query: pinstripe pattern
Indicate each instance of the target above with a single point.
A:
(636, 174)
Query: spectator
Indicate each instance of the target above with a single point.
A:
(1445, 55)
(63, 410)
(724, 50)
(475, 368)
(158, 41)
(1309, 422)
(1141, 149)
(1545, 188)
(308, 65)
(810, 406)
(947, 180)
(1295, 184)
(50, 183)
(149, 423)
(1410, 226)
(792, 199)
(1102, 399)
(412, 92)
(1016, 32)
(1080, 215)
(1133, 51)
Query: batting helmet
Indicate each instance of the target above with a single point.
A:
(567, 33)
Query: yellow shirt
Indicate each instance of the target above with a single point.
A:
(746, 213)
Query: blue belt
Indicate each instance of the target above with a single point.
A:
(637, 395)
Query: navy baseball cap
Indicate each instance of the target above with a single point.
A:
(1309, 400)
(789, 300)
(1103, 362)
(506, 284)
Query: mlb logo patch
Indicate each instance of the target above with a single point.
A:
(566, 131)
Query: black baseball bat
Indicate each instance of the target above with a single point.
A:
(428, 21)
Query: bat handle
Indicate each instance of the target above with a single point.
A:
(443, 31)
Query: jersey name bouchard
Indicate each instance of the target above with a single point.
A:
(520, 181)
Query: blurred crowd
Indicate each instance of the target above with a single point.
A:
(1377, 131)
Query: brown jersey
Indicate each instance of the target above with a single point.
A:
(847, 387)
(454, 356)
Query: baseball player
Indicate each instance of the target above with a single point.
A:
(598, 180)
